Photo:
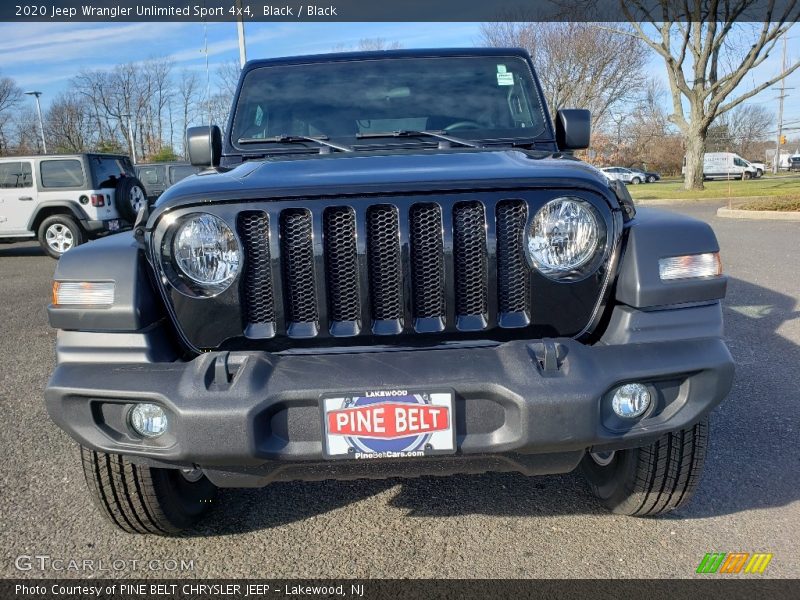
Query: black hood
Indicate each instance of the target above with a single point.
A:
(387, 173)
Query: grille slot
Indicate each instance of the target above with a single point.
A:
(297, 254)
(385, 269)
(259, 302)
(471, 265)
(341, 266)
(513, 274)
(427, 264)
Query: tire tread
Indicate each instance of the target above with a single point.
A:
(127, 494)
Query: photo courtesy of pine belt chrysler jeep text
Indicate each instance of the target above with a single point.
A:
(391, 265)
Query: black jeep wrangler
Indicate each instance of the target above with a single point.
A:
(392, 265)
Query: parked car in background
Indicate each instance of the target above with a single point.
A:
(652, 176)
(794, 163)
(760, 167)
(63, 200)
(725, 165)
(158, 177)
(624, 175)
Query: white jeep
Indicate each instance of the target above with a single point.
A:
(63, 200)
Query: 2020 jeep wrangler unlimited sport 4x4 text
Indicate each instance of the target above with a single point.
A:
(391, 266)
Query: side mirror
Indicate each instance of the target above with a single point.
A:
(573, 128)
(204, 145)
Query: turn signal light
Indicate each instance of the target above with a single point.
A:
(692, 266)
(83, 293)
(98, 200)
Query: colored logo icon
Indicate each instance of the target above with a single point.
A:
(734, 562)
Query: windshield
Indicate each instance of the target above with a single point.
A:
(471, 97)
(107, 170)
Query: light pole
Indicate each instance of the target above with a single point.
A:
(240, 31)
(130, 137)
(39, 112)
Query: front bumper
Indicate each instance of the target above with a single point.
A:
(534, 407)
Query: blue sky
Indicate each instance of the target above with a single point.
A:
(44, 56)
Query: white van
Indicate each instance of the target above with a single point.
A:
(727, 165)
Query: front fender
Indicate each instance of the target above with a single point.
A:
(116, 258)
(656, 234)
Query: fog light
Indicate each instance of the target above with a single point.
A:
(148, 420)
(631, 400)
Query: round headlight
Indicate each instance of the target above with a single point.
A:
(564, 237)
(205, 250)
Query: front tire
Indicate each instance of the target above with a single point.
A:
(636, 181)
(140, 499)
(58, 234)
(653, 480)
(651, 179)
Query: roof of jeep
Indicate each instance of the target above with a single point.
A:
(383, 54)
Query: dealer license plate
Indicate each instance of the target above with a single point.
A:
(388, 424)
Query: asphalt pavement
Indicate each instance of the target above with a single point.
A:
(493, 525)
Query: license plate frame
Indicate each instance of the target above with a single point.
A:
(357, 418)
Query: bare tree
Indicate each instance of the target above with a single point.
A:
(158, 73)
(24, 137)
(367, 44)
(228, 76)
(189, 97)
(580, 65)
(10, 96)
(378, 43)
(708, 52)
(69, 124)
(742, 130)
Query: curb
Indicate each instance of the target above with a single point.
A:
(759, 215)
(737, 200)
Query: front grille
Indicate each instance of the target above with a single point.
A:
(385, 269)
(427, 261)
(469, 252)
(258, 301)
(513, 274)
(297, 256)
(341, 264)
(383, 258)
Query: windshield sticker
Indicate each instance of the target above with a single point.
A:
(259, 116)
(505, 79)
(501, 68)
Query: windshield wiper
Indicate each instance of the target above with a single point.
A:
(410, 133)
(291, 139)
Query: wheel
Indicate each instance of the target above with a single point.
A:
(636, 181)
(759, 174)
(651, 179)
(745, 175)
(653, 480)
(59, 233)
(130, 198)
(140, 499)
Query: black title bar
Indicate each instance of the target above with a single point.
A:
(398, 11)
